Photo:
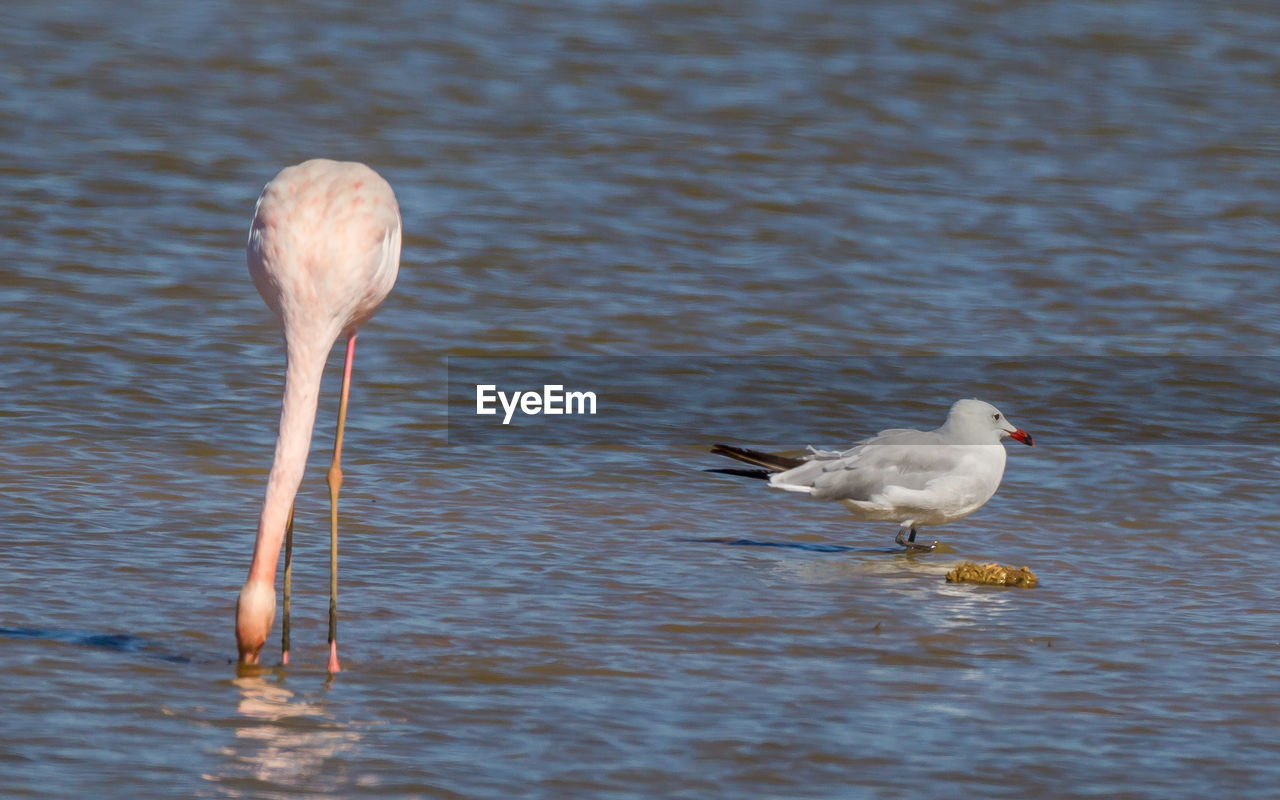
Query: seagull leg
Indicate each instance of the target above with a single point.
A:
(335, 484)
(288, 580)
(909, 541)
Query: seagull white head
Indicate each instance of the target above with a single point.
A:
(982, 420)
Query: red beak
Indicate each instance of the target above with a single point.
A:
(1023, 437)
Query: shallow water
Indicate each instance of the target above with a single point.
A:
(1080, 198)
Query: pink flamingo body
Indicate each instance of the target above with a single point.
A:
(323, 250)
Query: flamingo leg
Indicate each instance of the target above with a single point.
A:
(288, 581)
(335, 484)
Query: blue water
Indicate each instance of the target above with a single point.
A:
(1079, 198)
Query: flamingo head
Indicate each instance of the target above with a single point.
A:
(255, 613)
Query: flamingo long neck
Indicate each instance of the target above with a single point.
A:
(304, 365)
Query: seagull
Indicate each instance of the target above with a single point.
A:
(900, 475)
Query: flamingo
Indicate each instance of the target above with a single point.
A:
(323, 251)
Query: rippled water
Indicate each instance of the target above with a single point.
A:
(1018, 183)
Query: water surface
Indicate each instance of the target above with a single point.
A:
(1002, 182)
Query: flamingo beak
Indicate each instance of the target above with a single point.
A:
(1023, 436)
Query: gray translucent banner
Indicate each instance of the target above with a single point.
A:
(836, 401)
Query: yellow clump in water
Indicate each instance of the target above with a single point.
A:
(992, 575)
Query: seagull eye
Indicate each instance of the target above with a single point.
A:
(996, 417)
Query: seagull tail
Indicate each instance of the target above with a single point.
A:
(771, 462)
(762, 474)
